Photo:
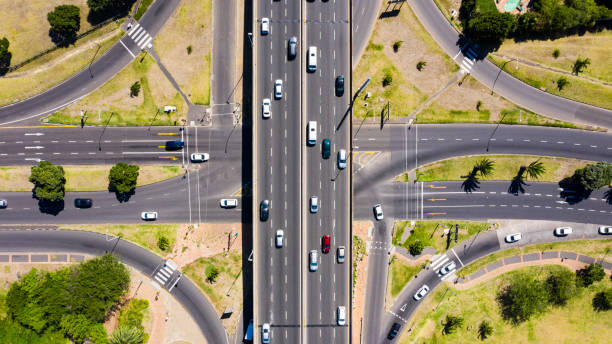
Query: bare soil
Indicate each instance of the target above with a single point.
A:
(361, 230)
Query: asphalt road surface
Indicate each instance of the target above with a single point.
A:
(135, 256)
(89, 79)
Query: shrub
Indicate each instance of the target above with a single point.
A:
(416, 248)
(420, 65)
(388, 79)
(589, 274)
(484, 330)
(556, 53)
(562, 82)
(212, 272)
(163, 243)
(580, 64)
(603, 300)
(189, 49)
(135, 89)
(397, 45)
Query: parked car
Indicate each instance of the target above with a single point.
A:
(265, 26)
(339, 86)
(83, 203)
(199, 157)
(278, 89)
(325, 243)
(394, 330)
(563, 231)
(280, 238)
(605, 230)
(174, 145)
(342, 159)
(340, 254)
(510, 238)
(148, 215)
(341, 315)
(229, 203)
(265, 333)
(292, 47)
(421, 292)
(378, 213)
(314, 260)
(3, 203)
(266, 108)
(447, 268)
(326, 148)
(264, 210)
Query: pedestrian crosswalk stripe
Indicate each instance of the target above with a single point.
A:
(140, 36)
(436, 264)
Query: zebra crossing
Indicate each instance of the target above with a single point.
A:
(438, 263)
(167, 270)
(140, 36)
(469, 57)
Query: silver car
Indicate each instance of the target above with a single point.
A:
(342, 159)
(314, 204)
(605, 230)
(292, 47)
(278, 89)
(228, 203)
(266, 108)
(265, 26)
(340, 254)
(148, 215)
(3, 203)
(199, 157)
(421, 292)
(314, 260)
(563, 231)
(510, 238)
(280, 238)
(447, 268)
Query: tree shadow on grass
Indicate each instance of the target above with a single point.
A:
(471, 181)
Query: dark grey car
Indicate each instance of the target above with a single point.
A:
(292, 48)
(264, 210)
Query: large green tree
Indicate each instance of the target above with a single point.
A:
(522, 298)
(603, 300)
(5, 55)
(594, 176)
(65, 21)
(561, 286)
(590, 274)
(49, 181)
(491, 27)
(104, 9)
(123, 177)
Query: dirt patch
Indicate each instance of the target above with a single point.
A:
(361, 230)
(207, 240)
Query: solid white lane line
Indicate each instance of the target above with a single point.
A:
(126, 48)
(457, 257)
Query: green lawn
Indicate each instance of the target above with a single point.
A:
(400, 273)
(576, 322)
(592, 248)
(506, 167)
(430, 233)
(359, 250)
(144, 4)
(142, 235)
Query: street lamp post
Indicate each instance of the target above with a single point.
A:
(250, 35)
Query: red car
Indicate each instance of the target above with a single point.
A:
(326, 242)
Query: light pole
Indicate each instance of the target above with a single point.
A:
(250, 35)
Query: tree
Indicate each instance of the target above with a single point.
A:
(397, 45)
(593, 176)
(76, 327)
(491, 27)
(189, 49)
(451, 323)
(125, 334)
(589, 274)
(580, 64)
(163, 243)
(65, 21)
(561, 286)
(485, 167)
(535, 169)
(416, 248)
(5, 56)
(556, 53)
(388, 79)
(522, 298)
(123, 177)
(562, 82)
(103, 9)
(211, 273)
(420, 65)
(484, 330)
(135, 89)
(603, 300)
(49, 181)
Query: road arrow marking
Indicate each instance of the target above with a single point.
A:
(168, 157)
(34, 134)
(34, 147)
(436, 199)
(168, 134)
(436, 187)
(435, 213)
(403, 308)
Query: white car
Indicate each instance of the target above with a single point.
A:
(378, 212)
(341, 315)
(605, 230)
(266, 108)
(280, 238)
(421, 292)
(265, 333)
(314, 204)
(340, 254)
(278, 89)
(563, 231)
(3, 203)
(229, 203)
(265, 26)
(447, 268)
(342, 159)
(199, 157)
(148, 215)
(510, 238)
(314, 260)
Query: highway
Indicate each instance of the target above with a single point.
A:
(278, 159)
(63, 241)
(327, 28)
(462, 254)
(89, 79)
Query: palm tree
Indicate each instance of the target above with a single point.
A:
(485, 167)
(127, 335)
(485, 329)
(535, 169)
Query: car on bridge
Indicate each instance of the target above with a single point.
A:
(510, 238)
(339, 86)
(341, 315)
(326, 243)
(326, 149)
(342, 159)
(292, 48)
(314, 204)
(340, 254)
(563, 231)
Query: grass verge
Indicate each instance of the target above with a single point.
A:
(144, 4)
(142, 235)
(400, 273)
(226, 290)
(84, 178)
(113, 104)
(359, 250)
(592, 248)
(567, 324)
(506, 167)
(431, 233)
(579, 89)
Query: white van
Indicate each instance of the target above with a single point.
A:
(312, 133)
(312, 59)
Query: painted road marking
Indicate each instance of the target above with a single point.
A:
(169, 134)
(436, 199)
(457, 257)
(168, 157)
(435, 213)
(437, 187)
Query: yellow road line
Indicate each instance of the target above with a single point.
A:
(161, 146)
(435, 213)
(366, 156)
(436, 199)
(167, 134)
(41, 126)
(168, 157)
(436, 187)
